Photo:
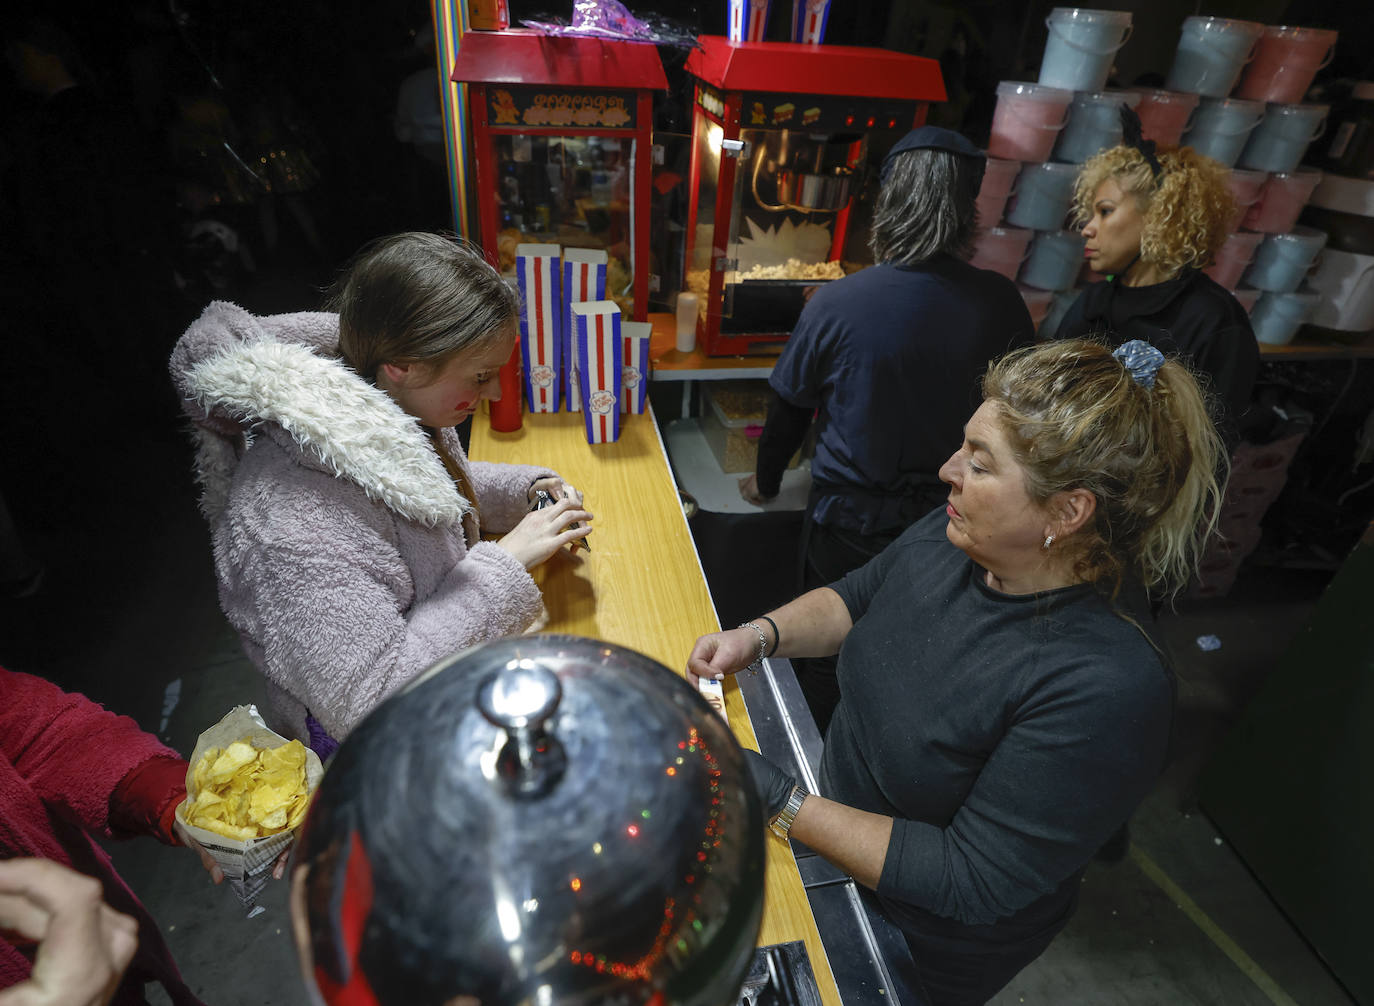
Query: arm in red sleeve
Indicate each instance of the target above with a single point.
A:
(71, 752)
(145, 801)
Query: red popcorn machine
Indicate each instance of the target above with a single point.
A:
(787, 140)
(561, 139)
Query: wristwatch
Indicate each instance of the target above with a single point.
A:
(782, 824)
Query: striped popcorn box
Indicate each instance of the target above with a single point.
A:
(634, 378)
(584, 279)
(541, 323)
(747, 20)
(809, 18)
(597, 335)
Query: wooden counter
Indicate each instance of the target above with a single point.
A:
(642, 586)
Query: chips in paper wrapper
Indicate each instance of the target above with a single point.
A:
(269, 778)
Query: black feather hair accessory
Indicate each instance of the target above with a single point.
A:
(1133, 135)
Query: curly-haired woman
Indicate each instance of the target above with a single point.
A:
(1152, 222)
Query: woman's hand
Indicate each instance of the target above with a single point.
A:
(556, 488)
(749, 490)
(83, 944)
(723, 653)
(543, 532)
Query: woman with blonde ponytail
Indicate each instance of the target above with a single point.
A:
(1002, 708)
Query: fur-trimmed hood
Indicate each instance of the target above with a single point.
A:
(239, 375)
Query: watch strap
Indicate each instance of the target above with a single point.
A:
(782, 824)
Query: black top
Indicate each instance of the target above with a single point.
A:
(1191, 316)
(1008, 736)
(890, 358)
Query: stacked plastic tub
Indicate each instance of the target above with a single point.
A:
(1249, 81)
(1041, 132)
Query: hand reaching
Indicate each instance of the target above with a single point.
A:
(749, 490)
(723, 653)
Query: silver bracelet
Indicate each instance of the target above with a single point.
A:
(763, 641)
(782, 824)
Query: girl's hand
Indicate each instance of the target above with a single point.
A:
(543, 532)
(723, 653)
(556, 488)
(749, 490)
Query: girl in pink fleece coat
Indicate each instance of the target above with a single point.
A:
(346, 518)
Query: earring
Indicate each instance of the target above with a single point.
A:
(1049, 540)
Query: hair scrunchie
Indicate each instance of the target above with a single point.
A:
(1141, 360)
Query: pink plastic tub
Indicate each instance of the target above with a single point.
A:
(1027, 120)
(1285, 61)
(999, 184)
(1164, 114)
(1233, 257)
(1002, 249)
(1246, 188)
(1281, 201)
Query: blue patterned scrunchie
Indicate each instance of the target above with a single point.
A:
(1141, 360)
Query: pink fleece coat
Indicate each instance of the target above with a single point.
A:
(61, 758)
(338, 533)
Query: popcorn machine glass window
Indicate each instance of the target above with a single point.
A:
(784, 181)
(561, 131)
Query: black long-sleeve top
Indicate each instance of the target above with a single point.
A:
(1008, 736)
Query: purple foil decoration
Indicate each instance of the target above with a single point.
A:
(612, 19)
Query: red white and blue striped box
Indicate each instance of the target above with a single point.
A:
(541, 323)
(747, 20)
(584, 279)
(600, 345)
(634, 377)
(809, 18)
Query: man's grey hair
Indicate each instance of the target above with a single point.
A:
(927, 206)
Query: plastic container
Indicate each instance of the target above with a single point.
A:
(1001, 249)
(1080, 46)
(1037, 303)
(1055, 258)
(733, 423)
(1221, 126)
(1164, 115)
(1044, 194)
(1246, 297)
(1282, 260)
(1233, 257)
(1027, 119)
(1285, 62)
(1346, 282)
(688, 306)
(1282, 137)
(1094, 124)
(1212, 52)
(1246, 188)
(1277, 317)
(999, 183)
(1059, 307)
(1281, 201)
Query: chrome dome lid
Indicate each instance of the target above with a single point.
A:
(541, 819)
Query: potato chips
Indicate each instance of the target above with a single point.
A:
(243, 792)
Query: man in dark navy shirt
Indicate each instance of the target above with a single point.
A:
(888, 361)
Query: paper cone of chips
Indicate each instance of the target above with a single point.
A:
(634, 377)
(247, 790)
(541, 317)
(584, 279)
(599, 352)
